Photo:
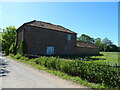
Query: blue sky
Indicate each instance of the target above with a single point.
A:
(97, 19)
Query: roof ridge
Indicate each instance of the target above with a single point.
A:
(51, 26)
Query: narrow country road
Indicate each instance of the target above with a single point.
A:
(14, 74)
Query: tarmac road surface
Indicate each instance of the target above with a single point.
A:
(14, 74)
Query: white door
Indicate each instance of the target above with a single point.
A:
(50, 50)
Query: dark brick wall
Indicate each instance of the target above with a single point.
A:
(87, 51)
(38, 39)
(20, 35)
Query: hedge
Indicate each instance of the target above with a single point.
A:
(93, 72)
(99, 73)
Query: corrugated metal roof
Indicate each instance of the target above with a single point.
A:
(48, 26)
(86, 44)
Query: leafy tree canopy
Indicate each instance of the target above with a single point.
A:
(85, 38)
(8, 38)
(106, 41)
(104, 45)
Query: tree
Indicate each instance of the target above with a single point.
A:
(113, 48)
(107, 44)
(85, 38)
(8, 39)
(104, 45)
(99, 44)
(106, 41)
(118, 49)
(97, 41)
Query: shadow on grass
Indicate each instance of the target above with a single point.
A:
(72, 57)
(97, 58)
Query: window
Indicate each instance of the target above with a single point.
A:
(69, 37)
(50, 50)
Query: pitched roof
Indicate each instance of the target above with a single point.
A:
(48, 26)
(86, 44)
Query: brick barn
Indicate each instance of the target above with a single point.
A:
(44, 38)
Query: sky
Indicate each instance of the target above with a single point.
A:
(96, 19)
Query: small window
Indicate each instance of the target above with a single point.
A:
(69, 37)
(50, 50)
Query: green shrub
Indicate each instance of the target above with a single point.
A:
(24, 58)
(18, 56)
(12, 55)
(22, 49)
(93, 72)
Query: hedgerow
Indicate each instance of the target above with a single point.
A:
(99, 73)
(93, 72)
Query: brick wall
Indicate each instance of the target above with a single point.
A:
(87, 51)
(39, 38)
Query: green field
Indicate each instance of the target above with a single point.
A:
(111, 57)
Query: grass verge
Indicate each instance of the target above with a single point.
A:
(111, 57)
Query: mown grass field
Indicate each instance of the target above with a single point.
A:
(110, 57)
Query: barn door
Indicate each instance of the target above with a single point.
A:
(50, 50)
